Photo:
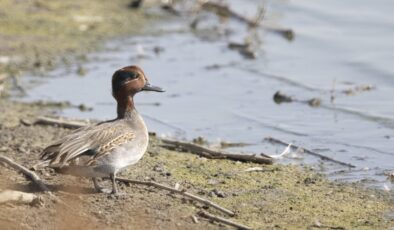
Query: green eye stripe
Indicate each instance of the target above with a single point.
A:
(127, 75)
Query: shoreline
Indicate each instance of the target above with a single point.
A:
(274, 196)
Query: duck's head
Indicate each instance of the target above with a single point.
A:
(130, 80)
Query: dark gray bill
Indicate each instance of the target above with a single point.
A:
(149, 87)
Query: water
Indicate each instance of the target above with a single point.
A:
(216, 93)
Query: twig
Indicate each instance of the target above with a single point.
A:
(31, 175)
(285, 32)
(258, 169)
(182, 192)
(60, 122)
(195, 219)
(310, 152)
(215, 154)
(223, 220)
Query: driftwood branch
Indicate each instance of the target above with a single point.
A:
(181, 192)
(215, 154)
(310, 152)
(34, 178)
(29, 174)
(223, 220)
(60, 122)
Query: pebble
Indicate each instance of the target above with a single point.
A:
(218, 193)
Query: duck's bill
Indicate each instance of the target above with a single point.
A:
(149, 87)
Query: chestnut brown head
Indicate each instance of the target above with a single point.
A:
(130, 80)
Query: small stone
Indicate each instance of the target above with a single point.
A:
(4, 149)
(83, 108)
(280, 97)
(98, 214)
(158, 168)
(213, 182)
(211, 194)
(81, 71)
(309, 180)
(217, 193)
(314, 102)
(158, 50)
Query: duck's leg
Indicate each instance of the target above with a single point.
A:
(98, 187)
(114, 185)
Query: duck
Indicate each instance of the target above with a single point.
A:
(102, 150)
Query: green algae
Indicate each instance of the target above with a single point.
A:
(35, 34)
(277, 196)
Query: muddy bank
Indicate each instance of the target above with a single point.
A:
(37, 35)
(276, 196)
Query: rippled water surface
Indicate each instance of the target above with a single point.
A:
(216, 93)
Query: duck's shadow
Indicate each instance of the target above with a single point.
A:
(73, 189)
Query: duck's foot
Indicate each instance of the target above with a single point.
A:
(105, 190)
(118, 195)
(100, 189)
(115, 190)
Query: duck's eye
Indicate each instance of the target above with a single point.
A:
(126, 76)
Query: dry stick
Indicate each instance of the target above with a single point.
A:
(31, 175)
(223, 220)
(60, 122)
(215, 154)
(182, 192)
(274, 140)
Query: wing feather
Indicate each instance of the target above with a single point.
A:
(99, 139)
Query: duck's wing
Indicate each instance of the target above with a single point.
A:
(92, 141)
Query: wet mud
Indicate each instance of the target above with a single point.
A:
(274, 196)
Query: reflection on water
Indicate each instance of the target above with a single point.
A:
(216, 93)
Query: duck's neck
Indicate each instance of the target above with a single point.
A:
(125, 107)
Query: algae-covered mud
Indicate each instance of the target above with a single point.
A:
(198, 69)
(40, 33)
(263, 197)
